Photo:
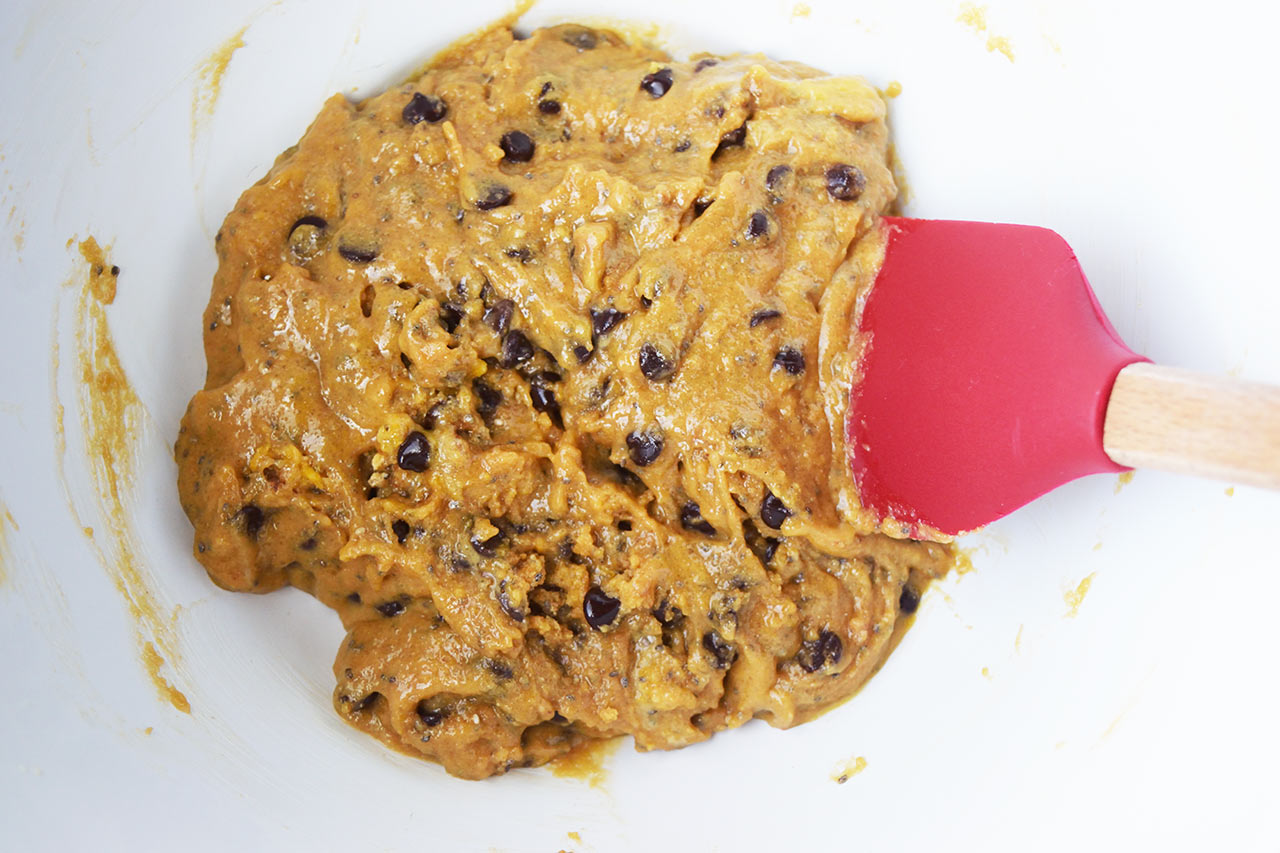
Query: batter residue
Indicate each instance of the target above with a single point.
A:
(112, 417)
(535, 370)
(6, 523)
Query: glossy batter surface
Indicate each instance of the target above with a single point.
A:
(535, 370)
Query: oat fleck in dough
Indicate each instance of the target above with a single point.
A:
(534, 369)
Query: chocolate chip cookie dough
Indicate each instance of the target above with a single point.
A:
(534, 369)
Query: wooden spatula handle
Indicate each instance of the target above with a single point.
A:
(1194, 423)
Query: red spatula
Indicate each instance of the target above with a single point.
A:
(992, 376)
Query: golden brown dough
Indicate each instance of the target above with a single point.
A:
(534, 369)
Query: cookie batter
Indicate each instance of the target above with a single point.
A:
(534, 369)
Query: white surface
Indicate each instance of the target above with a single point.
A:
(1144, 135)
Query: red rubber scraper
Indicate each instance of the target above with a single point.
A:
(991, 376)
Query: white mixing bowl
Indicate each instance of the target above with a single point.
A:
(1146, 135)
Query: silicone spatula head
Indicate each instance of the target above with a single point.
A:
(985, 376)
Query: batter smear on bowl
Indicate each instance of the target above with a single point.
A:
(535, 370)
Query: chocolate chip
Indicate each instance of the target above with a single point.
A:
(815, 654)
(776, 176)
(516, 348)
(496, 195)
(115, 271)
(544, 400)
(624, 526)
(363, 704)
(644, 446)
(500, 670)
(773, 511)
(488, 547)
(549, 106)
(764, 547)
(646, 302)
(604, 320)
(580, 37)
(517, 146)
(691, 519)
(498, 315)
(521, 253)
(309, 544)
(704, 63)
(909, 601)
(545, 377)
(252, 517)
(723, 653)
(414, 452)
(422, 108)
(600, 608)
(668, 615)
(762, 315)
(353, 598)
(582, 354)
(682, 145)
(700, 206)
(309, 222)
(654, 365)
(733, 139)
(627, 478)
(757, 225)
(428, 420)
(488, 398)
(845, 182)
(657, 83)
(394, 607)
(450, 317)
(400, 528)
(790, 359)
(431, 717)
(357, 254)
(831, 644)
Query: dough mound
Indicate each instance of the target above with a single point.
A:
(535, 369)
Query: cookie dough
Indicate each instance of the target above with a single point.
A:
(534, 369)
